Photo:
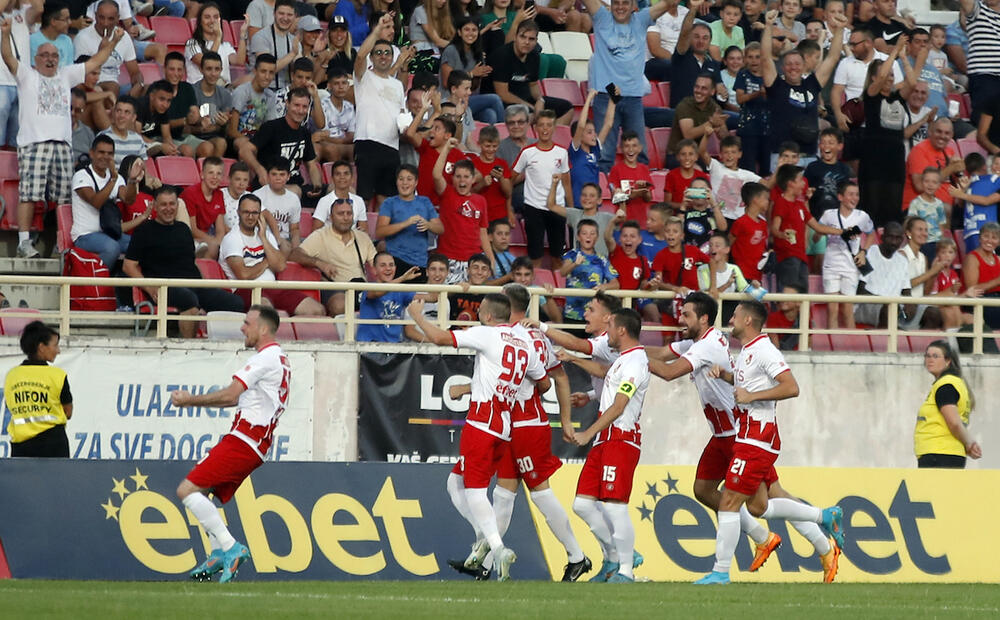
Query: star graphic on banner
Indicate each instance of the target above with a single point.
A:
(110, 510)
(652, 491)
(120, 488)
(671, 483)
(645, 513)
(140, 480)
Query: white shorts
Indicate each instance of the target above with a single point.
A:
(839, 282)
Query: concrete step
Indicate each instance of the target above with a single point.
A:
(36, 296)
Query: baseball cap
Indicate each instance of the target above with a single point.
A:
(338, 21)
(309, 23)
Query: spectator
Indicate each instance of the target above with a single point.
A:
(982, 22)
(442, 131)
(619, 58)
(287, 138)
(385, 305)
(463, 215)
(727, 178)
(941, 438)
(44, 153)
(379, 99)
(21, 18)
(83, 135)
(675, 268)
(239, 181)
(340, 188)
(748, 234)
(725, 92)
(431, 29)
(882, 167)
(785, 317)
(340, 252)
(437, 271)
(207, 37)
(630, 182)
(852, 73)
(280, 203)
(88, 41)
(725, 31)
(584, 268)
(516, 73)
(93, 186)
(251, 102)
(459, 91)
(253, 250)
(499, 234)
(182, 115)
(523, 273)
(957, 46)
(302, 72)
(516, 118)
(787, 23)
(827, 173)
(679, 179)
(922, 277)
(496, 177)
(535, 166)
(929, 207)
(259, 15)
(701, 214)
(465, 305)
(338, 55)
(888, 278)
(590, 202)
(214, 104)
(886, 25)
(845, 253)
(405, 222)
(632, 267)
(141, 209)
(753, 125)
(205, 203)
(585, 148)
(918, 116)
(789, 220)
(720, 276)
(938, 86)
(500, 24)
(127, 142)
(98, 102)
(356, 13)
(794, 98)
(562, 16)
(981, 196)
(164, 248)
(279, 40)
(949, 284)
(335, 141)
(55, 30)
(691, 57)
(981, 271)
(464, 53)
(934, 152)
(661, 40)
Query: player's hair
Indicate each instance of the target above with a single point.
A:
(750, 191)
(422, 80)
(211, 161)
(703, 304)
(456, 77)
(518, 295)
(789, 146)
(587, 222)
(609, 302)
(210, 55)
(158, 86)
(731, 142)
(35, 334)
(281, 164)
(128, 101)
(246, 197)
(733, 3)
(303, 64)
(268, 315)
(843, 185)
(673, 220)
(833, 131)
(78, 92)
(631, 224)
(686, 143)
(516, 110)
(165, 189)
(500, 221)
(336, 74)
(50, 10)
(989, 227)
(434, 257)
(480, 258)
(173, 56)
(629, 319)
(489, 134)
(954, 365)
(102, 139)
(265, 59)
(629, 135)
(944, 242)
(786, 174)
(662, 208)
(720, 234)
(974, 163)
(238, 166)
(808, 46)
(498, 305)
(522, 262)
(757, 312)
(816, 20)
(911, 221)
(919, 30)
(289, 3)
(408, 168)
(466, 165)
(938, 27)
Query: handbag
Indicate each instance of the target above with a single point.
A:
(109, 213)
(854, 110)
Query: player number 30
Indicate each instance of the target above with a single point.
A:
(524, 464)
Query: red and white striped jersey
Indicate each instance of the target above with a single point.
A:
(629, 375)
(757, 369)
(528, 410)
(504, 358)
(716, 395)
(266, 378)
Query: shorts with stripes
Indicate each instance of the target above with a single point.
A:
(46, 170)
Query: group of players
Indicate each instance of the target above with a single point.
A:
(507, 432)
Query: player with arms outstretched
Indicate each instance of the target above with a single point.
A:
(762, 378)
(705, 347)
(260, 392)
(504, 358)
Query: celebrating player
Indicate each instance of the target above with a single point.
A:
(260, 391)
(503, 359)
(762, 378)
(704, 348)
(607, 474)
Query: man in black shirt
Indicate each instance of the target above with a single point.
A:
(515, 74)
(151, 117)
(183, 111)
(691, 57)
(287, 137)
(886, 26)
(164, 248)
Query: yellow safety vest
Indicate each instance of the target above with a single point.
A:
(33, 393)
(932, 435)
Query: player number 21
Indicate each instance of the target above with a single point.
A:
(737, 468)
(609, 473)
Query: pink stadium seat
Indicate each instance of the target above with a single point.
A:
(919, 344)
(517, 236)
(544, 276)
(64, 224)
(602, 180)
(315, 331)
(655, 161)
(818, 315)
(295, 272)
(664, 88)
(151, 72)
(560, 279)
(13, 326)
(171, 31)
(562, 136)
(210, 269)
(880, 343)
(234, 27)
(815, 284)
(237, 71)
(176, 170)
(654, 99)
(969, 145)
(504, 132)
(660, 138)
(8, 165)
(851, 342)
(372, 223)
(650, 338)
(819, 342)
(564, 89)
(659, 180)
(227, 33)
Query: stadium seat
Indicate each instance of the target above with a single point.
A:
(227, 329)
(654, 99)
(503, 131)
(562, 88)
(562, 136)
(295, 272)
(851, 342)
(13, 326)
(819, 315)
(228, 34)
(602, 180)
(517, 236)
(919, 344)
(815, 284)
(9, 202)
(660, 138)
(560, 279)
(880, 343)
(236, 72)
(171, 31)
(64, 224)
(655, 161)
(316, 331)
(372, 223)
(235, 26)
(210, 269)
(151, 72)
(545, 42)
(8, 165)
(592, 36)
(176, 170)
(145, 307)
(573, 46)
(664, 88)
(819, 342)
(969, 145)
(659, 180)
(544, 276)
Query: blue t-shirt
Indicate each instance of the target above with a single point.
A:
(392, 305)
(583, 169)
(936, 93)
(620, 52)
(408, 244)
(977, 215)
(357, 24)
(753, 113)
(67, 54)
(596, 270)
(505, 260)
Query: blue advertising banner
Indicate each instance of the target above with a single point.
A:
(121, 520)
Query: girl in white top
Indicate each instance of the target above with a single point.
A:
(207, 36)
(840, 263)
(431, 27)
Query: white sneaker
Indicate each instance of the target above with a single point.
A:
(145, 34)
(504, 561)
(26, 250)
(144, 9)
(480, 549)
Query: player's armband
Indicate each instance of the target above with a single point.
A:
(626, 388)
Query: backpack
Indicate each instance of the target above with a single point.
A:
(82, 264)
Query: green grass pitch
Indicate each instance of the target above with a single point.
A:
(28, 599)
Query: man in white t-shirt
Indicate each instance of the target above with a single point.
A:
(889, 277)
(239, 181)
(343, 177)
(661, 39)
(44, 151)
(21, 18)
(280, 203)
(252, 251)
(93, 186)
(379, 99)
(849, 78)
(88, 41)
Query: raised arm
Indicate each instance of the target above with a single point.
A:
(361, 62)
(104, 52)
(684, 37)
(829, 64)
(440, 184)
(9, 58)
(433, 333)
(767, 68)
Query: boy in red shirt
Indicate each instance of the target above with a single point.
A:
(632, 267)
(679, 179)
(496, 174)
(463, 215)
(748, 234)
(675, 268)
(428, 149)
(631, 180)
(207, 208)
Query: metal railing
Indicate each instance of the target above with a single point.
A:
(65, 317)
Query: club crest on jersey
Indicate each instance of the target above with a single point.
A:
(469, 210)
(449, 167)
(688, 263)
(749, 358)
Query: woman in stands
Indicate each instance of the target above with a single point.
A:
(207, 36)
(339, 52)
(465, 53)
(981, 270)
(941, 438)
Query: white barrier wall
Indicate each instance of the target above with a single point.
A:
(854, 410)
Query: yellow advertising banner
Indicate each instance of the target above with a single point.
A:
(900, 525)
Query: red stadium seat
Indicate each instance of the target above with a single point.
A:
(227, 33)
(919, 344)
(210, 269)
(851, 342)
(151, 72)
(504, 132)
(562, 136)
(654, 99)
(64, 224)
(819, 315)
(819, 342)
(660, 137)
(236, 72)
(815, 284)
(316, 331)
(655, 161)
(564, 89)
(295, 272)
(173, 32)
(517, 236)
(560, 279)
(880, 343)
(8, 165)
(602, 180)
(543, 277)
(664, 88)
(176, 170)
(372, 223)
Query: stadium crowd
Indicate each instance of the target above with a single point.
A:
(710, 145)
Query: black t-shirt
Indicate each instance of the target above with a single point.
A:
(946, 395)
(750, 34)
(181, 104)
(163, 251)
(885, 117)
(788, 103)
(465, 302)
(992, 108)
(825, 178)
(341, 61)
(150, 120)
(277, 139)
(887, 32)
(518, 74)
(684, 70)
